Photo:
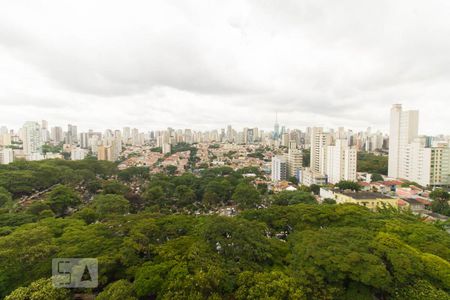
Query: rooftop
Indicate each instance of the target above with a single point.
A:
(365, 195)
(413, 201)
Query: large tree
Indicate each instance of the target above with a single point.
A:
(61, 198)
(440, 202)
(111, 204)
(348, 185)
(246, 196)
(294, 197)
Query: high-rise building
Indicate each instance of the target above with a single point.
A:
(285, 139)
(135, 137)
(188, 138)
(295, 162)
(45, 134)
(78, 154)
(31, 137)
(102, 152)
(276, 128)
(250, 136)
(415, 158)
(126, 135)
(292, 144)
(428, 165)
(166, 148)
(5, 139)
(72, 134)
(6, 156)
(319, 142)
(229, 133)
(404, 127)
(56, 135)
(108, 152)
(279, 168)
(440, 165)
(341, 162)
(84, 140)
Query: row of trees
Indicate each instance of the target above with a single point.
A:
(284, 252)
(23, 177)
(149, 243)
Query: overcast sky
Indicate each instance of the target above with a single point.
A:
(206, 64)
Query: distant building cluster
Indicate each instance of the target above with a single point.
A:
(282, 153)
(333, 156)
(37, 141)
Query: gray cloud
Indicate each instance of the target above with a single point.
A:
(201, 64)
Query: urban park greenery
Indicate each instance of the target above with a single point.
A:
(161, 237)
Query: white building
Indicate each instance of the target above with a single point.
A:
(166, 148)
(35, 156)
(309, 177)
(319, 142)
(5, 139)
(6, 156)
(416, 162)
(415, 158)
(341, 162)
(78, 154)
(404, 126)
(425, 164)
(31, 137)
(279, 168)
(330, 163)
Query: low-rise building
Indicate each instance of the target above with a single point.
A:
(370, 200)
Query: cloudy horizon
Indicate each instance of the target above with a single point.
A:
(204, 64)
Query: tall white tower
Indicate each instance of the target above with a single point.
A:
(341, 162)
(404, 128)
(31, 136)
(319, 142)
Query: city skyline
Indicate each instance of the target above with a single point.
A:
(277, 125)
(152, 65)
(82, 128)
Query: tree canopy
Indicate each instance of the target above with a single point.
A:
(162, 237)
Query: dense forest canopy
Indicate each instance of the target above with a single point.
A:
(159, 236)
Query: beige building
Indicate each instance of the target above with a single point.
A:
(440, 165)
(108, 152)
(370, 200)
(295, 162)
